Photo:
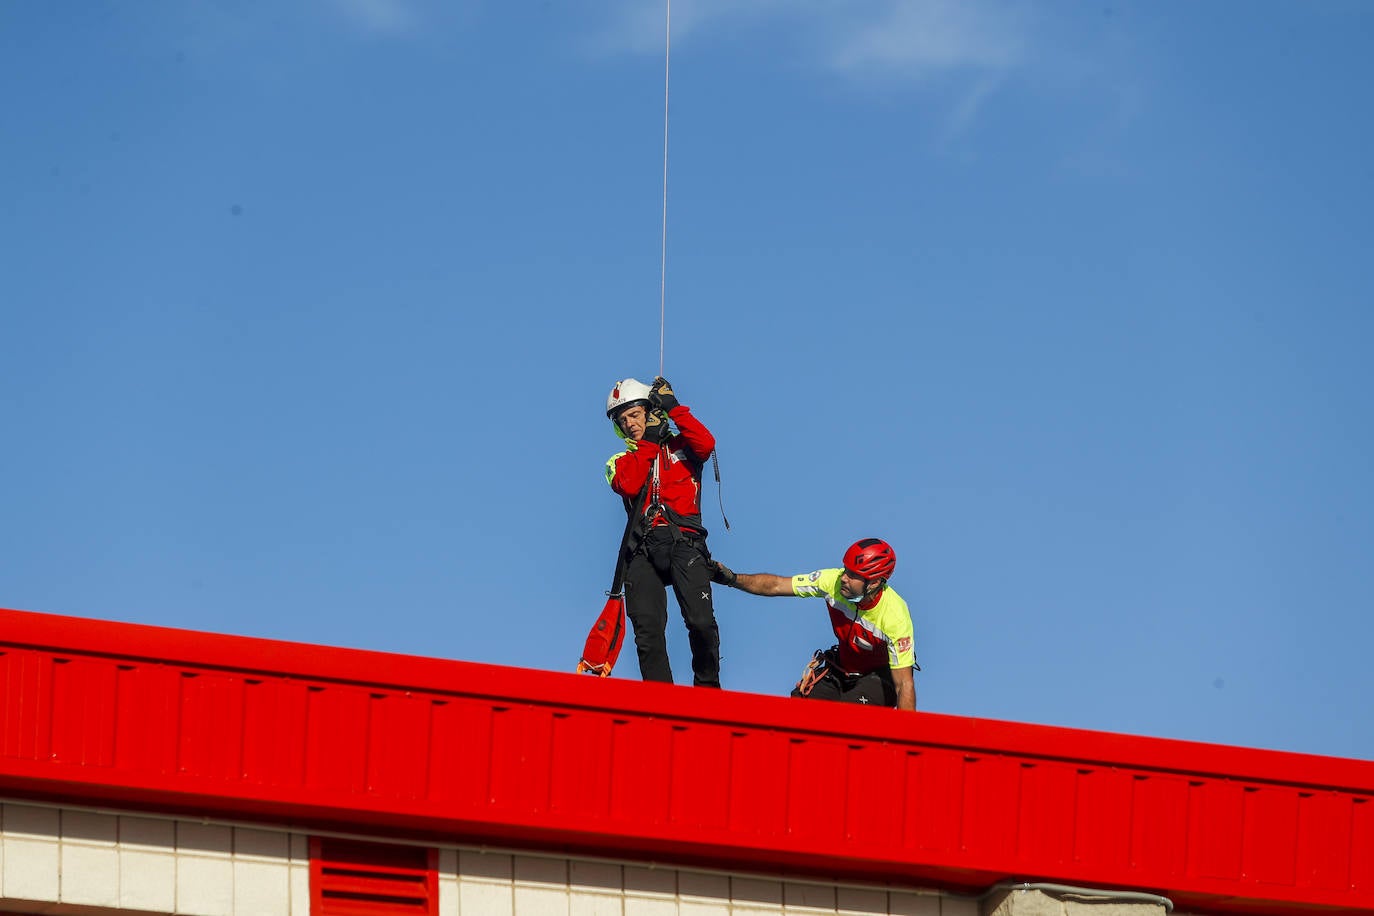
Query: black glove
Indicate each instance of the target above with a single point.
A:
(720, 573)
(661, 395)
(656, 427)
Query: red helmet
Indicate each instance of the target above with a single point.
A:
(871, 558)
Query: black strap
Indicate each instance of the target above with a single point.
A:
(720, 497)
(622, 556)
(640, 518)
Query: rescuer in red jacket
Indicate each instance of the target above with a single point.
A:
(659, 477)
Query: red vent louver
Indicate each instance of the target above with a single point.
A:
(351, 878)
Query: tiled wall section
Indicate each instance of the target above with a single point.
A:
(86, 858)
(473, 882)
(72, 856)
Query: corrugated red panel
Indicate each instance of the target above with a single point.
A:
(1158, 832)
(93, 712)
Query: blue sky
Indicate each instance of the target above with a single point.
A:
(308, 313)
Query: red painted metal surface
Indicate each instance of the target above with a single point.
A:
(93, 711)
(353, 878)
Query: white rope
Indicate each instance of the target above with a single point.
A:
(663, 253)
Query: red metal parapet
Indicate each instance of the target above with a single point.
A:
(93, 711)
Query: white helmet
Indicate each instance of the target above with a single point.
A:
(627, 391)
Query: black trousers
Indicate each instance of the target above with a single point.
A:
(661, 561)
(875, 688)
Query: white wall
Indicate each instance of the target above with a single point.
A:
(121, 861)
(125, 861)
(506, 884)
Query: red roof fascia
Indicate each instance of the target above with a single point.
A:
(239, 727)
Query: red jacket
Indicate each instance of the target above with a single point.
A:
(679, 475)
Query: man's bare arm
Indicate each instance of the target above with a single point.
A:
(763, 584)
(906, 688)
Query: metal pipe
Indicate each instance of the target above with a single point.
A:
(1070, 889)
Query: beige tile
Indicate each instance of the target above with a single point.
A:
(204, 839)
(148, 833)
(703, 888)
(261, 845)
(90, 828)
(484, 865)
(756, 893)
(262, 888)
(448, 882)
(587, 904)
(147, 879)
(650, 891)
(702, 906)
(650, 882)
(205, 885)
(596, 877)
(31, 867)
(486, 898)
(537, 870)
(447, 868)
(595, 905)
(807, 898)
(30, 821)
(448, 896)
(904, 904)
(90, 873)
(854, 901)
(541, 901)
(958, 906)
(300, 885)
(650, 906)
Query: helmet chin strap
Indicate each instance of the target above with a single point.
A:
(870, 594)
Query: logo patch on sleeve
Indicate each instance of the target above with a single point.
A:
(904, 644)
(815, 576)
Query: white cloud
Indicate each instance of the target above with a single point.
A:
(638, 26)
(916, 39)
(966, 107)
(969, 48)
(381, 16)
(905, 40)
